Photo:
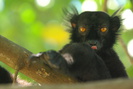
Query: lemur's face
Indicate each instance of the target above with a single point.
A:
(96, 28)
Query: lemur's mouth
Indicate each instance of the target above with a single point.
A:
(93, 44)
(94, 47)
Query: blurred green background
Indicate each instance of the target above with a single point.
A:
(38, 25)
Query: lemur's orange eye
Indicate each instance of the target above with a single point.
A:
(82, 29)
(104, 29)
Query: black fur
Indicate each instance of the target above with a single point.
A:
(85, 64)
(79, 58)
(93, 21)
(5, 77)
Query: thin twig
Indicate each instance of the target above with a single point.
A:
(125, 49)
(105, 6)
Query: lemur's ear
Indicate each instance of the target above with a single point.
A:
(73, 21)
(73, 25)
(115, 20)
(71, 14)
(115, 23)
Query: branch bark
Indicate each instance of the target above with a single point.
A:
(17, 57)
(108, 84)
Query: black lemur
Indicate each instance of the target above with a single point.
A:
(90, 54)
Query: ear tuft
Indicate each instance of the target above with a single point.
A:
(71, 17)
(116, 12)
(70, 13)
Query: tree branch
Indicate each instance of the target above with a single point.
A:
(108, 84)
(17, 57)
